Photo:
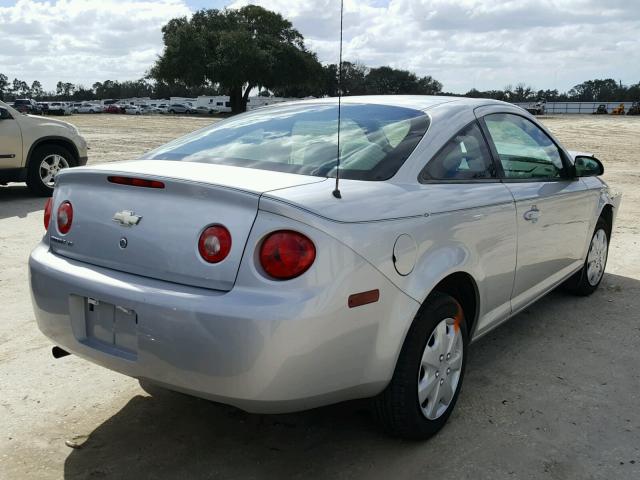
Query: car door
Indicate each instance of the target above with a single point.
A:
(10, 141)
(479, 213)
(553, 207)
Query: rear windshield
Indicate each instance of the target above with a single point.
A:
(375, 140)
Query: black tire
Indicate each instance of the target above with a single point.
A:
(397, 408)
(579, 283)
(172, 111)
(34, 182)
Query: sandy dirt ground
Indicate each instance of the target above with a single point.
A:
(554, 393)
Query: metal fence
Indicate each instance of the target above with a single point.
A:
(576, 107)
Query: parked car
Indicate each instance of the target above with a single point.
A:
(26, 105)
(148, 110)
(180, 108)
(132, 110)
(36, 149)
(59, 108)
(86, 108)
(163, 107)
(114, 108)
(231, 264)
(204, 110)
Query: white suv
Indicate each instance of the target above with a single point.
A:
(34, 149)
(86, 108)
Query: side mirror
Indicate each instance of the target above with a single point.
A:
(588, 166)
(4, 114)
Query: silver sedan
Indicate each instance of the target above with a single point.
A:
(232, 265)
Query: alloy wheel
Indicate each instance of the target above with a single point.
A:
(597, 258)
(50, 166)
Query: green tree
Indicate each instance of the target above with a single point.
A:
(632, 94)
(36, 89)
(20, 88)
(598, 90)
(64, 90)
(391, 81)
(235, 49)
(324, 82)
(329, 81)
(353, 78)
(429, 86)
(522, 93)
(4, 85)
(495, 94)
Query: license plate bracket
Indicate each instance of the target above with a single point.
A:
(111, 327)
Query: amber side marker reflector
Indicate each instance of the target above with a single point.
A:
(136, 182)
(362, 298)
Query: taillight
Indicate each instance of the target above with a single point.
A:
(65, 217)
(136, 182)
(214, 244)
(286, 254)
(47, 213)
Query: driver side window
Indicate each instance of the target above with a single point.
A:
(524, 150)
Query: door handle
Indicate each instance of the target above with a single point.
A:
(532, 215)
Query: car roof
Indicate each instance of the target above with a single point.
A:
(419, 102)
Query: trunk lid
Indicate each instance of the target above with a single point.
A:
(164, 243)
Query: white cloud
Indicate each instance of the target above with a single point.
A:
(463, 43)
(82, 41)
(478, 43)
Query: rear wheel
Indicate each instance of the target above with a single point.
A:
(587, 280)
(46, 161)
(426, 382)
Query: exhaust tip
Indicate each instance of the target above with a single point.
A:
(58, 352)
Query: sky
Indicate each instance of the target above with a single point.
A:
(483, 44)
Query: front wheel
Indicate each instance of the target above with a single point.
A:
(428, 375)
(587, 280)
(46, 161)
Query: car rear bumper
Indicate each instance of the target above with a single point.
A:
(267, 352)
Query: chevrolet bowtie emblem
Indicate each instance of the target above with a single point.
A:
(127, 218)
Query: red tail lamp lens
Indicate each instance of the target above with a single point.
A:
(136, 182)
(214, 244)
(47, 213)
(286, 254)
(65, 217)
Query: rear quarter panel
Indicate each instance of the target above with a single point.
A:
(462, 228)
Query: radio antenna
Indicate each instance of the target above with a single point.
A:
(336, 191)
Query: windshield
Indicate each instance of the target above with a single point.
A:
(375, 140)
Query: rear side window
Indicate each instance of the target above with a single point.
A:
(375, 140)
(465, 157)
